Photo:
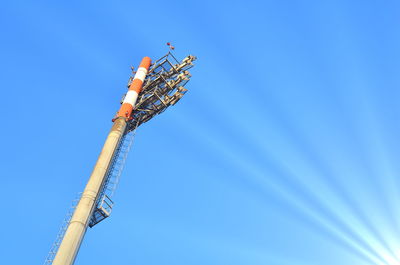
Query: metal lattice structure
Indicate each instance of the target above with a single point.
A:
(163, 87)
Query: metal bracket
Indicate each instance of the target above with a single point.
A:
(102, 211)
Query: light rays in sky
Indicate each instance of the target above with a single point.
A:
(332, 208)
(353, 230)
(334, 189)
(290, 133)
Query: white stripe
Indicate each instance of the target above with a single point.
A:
(131, 97)
(141, 73)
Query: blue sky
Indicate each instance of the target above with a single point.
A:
(284, 151)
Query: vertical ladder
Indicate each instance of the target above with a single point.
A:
(104, 203)
(61, 232)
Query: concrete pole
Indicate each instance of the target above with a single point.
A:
(71, 242)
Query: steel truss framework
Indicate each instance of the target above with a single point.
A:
(163, 87)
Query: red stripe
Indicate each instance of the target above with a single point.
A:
(136, 85)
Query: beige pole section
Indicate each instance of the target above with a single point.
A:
(77, 227)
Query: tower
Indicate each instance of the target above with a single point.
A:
(151, 90)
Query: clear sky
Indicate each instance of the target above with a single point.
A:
(284, 151)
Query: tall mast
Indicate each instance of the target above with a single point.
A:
(152, 89)
(76, 230)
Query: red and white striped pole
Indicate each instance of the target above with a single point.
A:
(134, 89)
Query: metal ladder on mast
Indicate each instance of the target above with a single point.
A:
(104, 204)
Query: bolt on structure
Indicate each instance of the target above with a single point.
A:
(152, 89)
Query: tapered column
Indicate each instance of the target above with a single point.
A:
(73, 237)
(79, 222)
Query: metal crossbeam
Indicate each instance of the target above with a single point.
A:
(163, 87)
